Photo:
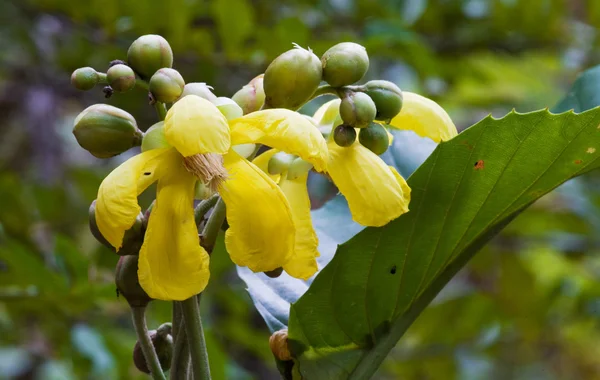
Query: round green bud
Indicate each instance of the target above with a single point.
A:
(344, 64)
(279, 163)
(84, 78)
(126, 279)
(154, 138)
(163, 346)
(121, 78)
(292, 78)
(252, 96)
(374, 138)
(199, 89)
(132, 240)
(230, 109)
(387, 97)
(94, 226)
(357, 109)
(166, 85)
(106, 131)
(344, 135)
(148, 54)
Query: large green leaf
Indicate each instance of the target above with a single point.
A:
(379, 281)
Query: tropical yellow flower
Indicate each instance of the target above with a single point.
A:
(262, 232)
(376, 193)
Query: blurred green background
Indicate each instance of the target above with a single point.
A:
(527, 307)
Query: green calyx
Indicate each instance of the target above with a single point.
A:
(357, 109)
(126, 279)
(200, 89)
(148, 54)
(344, 64)
(252, 96)
(121, 78)
(154, 138)
(292, 78)
(374, 138)
(166, 85)
(230, 109)
(344, 135)
(163, 345)
(387, 97)
(106, 131)
(84, 78)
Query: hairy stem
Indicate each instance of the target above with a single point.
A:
(139, 322)
(204, 206)
(195, 337)
(181, 350)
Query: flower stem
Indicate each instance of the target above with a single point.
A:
(204, 206)
(181, 350)
(161, 110)
(195, 335)
(213, 225)
(139, 322)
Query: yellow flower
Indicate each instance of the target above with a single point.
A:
(261, 234)
(376, 193)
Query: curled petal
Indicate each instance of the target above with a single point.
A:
(283, 130)
(261, 229)
(117, 205)
(328, 114)
(172, 264)
(425, 117)
(262, 162)
(303, 263)
(374, 192)
(194, 125)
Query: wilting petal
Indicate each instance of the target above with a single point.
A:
(373, 191)
(303, 263)
(262, 162)
(283, 130)
(173, 265)
(425, 117)
(117, 205)
(261, 229)
(194, 125)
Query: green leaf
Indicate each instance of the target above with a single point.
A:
(378, 282)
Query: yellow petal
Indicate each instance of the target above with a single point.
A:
(173, 265)
(425, 117)
(303, 263)
(262, 162)
(261, 229)
(283, 130)
(194, 125)
(328, 113)
(117, 205)
(374, 192)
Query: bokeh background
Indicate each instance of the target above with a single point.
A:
(527, 306)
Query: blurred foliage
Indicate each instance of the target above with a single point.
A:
(527, 307)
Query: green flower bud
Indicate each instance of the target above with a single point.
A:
(126, 279)
(357, 109)
(84, 78)
(199, 89)
(344, 64)
(298, 167)
(154, 138)
(387, 97)
(252, 96)
(121, 78)
(279, 163)
(292, 78)
(166, 85)
(344, 135)
(374, 138)
(163, 345)
(230, 109)
(132, 240)
(148, 54)
(94, 226)
(106, 131)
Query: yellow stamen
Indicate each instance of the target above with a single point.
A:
(208, 167)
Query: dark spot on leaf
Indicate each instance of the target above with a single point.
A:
(479, 165)
(393, 269)
(577, 162)
(147, 173)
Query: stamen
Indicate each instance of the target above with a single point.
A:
(208, 167)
